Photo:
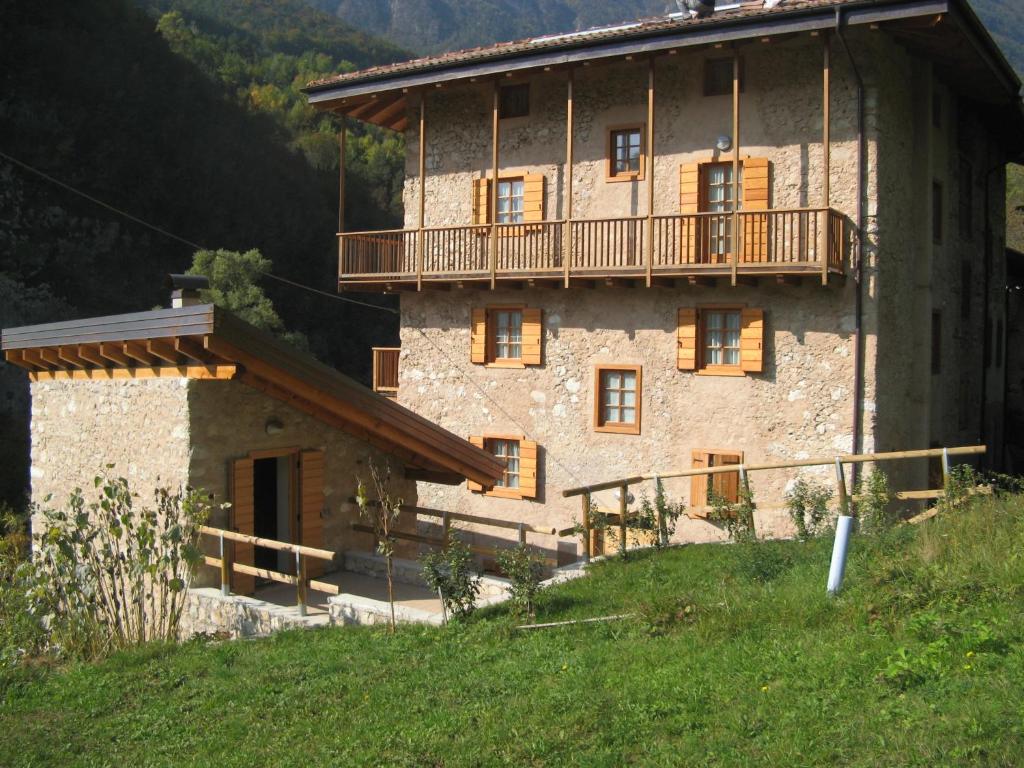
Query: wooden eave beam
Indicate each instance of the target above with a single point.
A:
(115, 355)
(70, 356)
(430, 476)
(358, 112)
(136, 351)
(92, 354)
(34, 358)
(192, 349)
(17, 357)
(400, 126)
(163, 350)
(49, 356)
(388, 113)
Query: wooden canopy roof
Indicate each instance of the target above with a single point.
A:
(207, 342)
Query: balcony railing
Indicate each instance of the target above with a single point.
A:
(801, 241)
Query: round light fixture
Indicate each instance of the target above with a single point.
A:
(724, 143)
(273, 426)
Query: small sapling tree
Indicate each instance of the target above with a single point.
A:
(382, 512)
(524, 570)
(450, 572)
(660, 516)
(807, 503)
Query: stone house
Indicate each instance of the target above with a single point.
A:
(755, 234)
(194, 396)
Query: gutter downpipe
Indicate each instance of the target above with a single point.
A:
(858, 335)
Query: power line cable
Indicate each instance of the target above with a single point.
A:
(172, 236)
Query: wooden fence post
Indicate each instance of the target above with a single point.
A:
(844, 499)
(623, 509)
(300, 586)
(225, 567)
(586, 527)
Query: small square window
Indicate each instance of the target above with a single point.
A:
(617, 406)
(505, 335)
(514, 101)
(508, 451)
(510, 201)
(625, 153)
(718, 76)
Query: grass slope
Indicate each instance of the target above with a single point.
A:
(738, 658)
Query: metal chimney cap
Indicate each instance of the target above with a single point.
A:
(187, 282)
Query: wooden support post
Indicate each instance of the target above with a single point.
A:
(826, 155)
(300, 585)
(735, 239)
(945, 468)
(225, 567)
(495, 135)
(586, 527)
(844, 499)
(341, 175)
(623, 511)
(446, 528)
(423, 192)
(649, 255)
(522, 535)
(567, 247)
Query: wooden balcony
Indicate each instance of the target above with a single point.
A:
(777, 244)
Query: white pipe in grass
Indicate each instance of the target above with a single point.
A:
(842, 543)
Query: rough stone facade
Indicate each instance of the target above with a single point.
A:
(803, 402)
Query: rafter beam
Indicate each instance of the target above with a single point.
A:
(137, 351)
(163, 350)
(92, 355)
(70, 356)
(115, 355)
(191, 349)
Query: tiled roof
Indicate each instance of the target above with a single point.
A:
(747, 10)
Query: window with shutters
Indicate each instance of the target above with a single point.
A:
(717, 197)
(720, 340)
(519, 455)
(704, 489)
(510, 201)
(707, 188)
(504, 336)
(625, 153)
(617, 394)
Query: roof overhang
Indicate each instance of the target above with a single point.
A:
(207, 342)
(382, 92)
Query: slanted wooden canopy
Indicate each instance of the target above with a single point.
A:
(206, 342)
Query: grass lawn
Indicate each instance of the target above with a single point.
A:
(737, 657)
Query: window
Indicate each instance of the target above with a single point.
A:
(508, 452)
(510, 201)
(505, 334)
(625, 153)
(519, 455)
(936, 212)
(936, 342)
(617, 399)
(965, 290)
(514, 101)
(725, 341)
(724, 485)
(716, 197)
(509, 337)
(966, 208)
(718, 76)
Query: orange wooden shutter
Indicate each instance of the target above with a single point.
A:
(533, 335)
(726, 484)
(311, 505)
(533, 197)
(689, 202)
(481, 201)
(479, 443)
(478, 335)
(686, 334)
(528, 469)
(699, 486)
(752, 340)
(755, 198)
(243, 520)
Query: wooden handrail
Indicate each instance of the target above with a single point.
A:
(281, 546)
(860, 458)
(478, 549)
(493, 522)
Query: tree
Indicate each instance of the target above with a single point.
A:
(234, 286)
(383, 512)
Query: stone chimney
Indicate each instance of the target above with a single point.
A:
(185, 289)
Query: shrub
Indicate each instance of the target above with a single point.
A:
(807, 503)
(873, 502)
(662, 515)
(21, 634)
(524, 569)
(762, 561)
(450, 572)
(739, 517)
(109, 574)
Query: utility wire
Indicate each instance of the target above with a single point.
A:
(178, 238)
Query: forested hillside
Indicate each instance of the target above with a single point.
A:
(189, 120)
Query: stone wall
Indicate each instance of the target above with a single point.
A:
(229, 421)
(140, 426)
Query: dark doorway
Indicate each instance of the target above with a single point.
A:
(273, 511)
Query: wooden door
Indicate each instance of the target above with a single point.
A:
(311, 505)
(243, 520)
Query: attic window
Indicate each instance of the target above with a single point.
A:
(514, 101)
(718, 76)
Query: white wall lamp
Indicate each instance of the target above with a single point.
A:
(273, 426)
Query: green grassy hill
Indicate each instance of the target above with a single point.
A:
(735, 657)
